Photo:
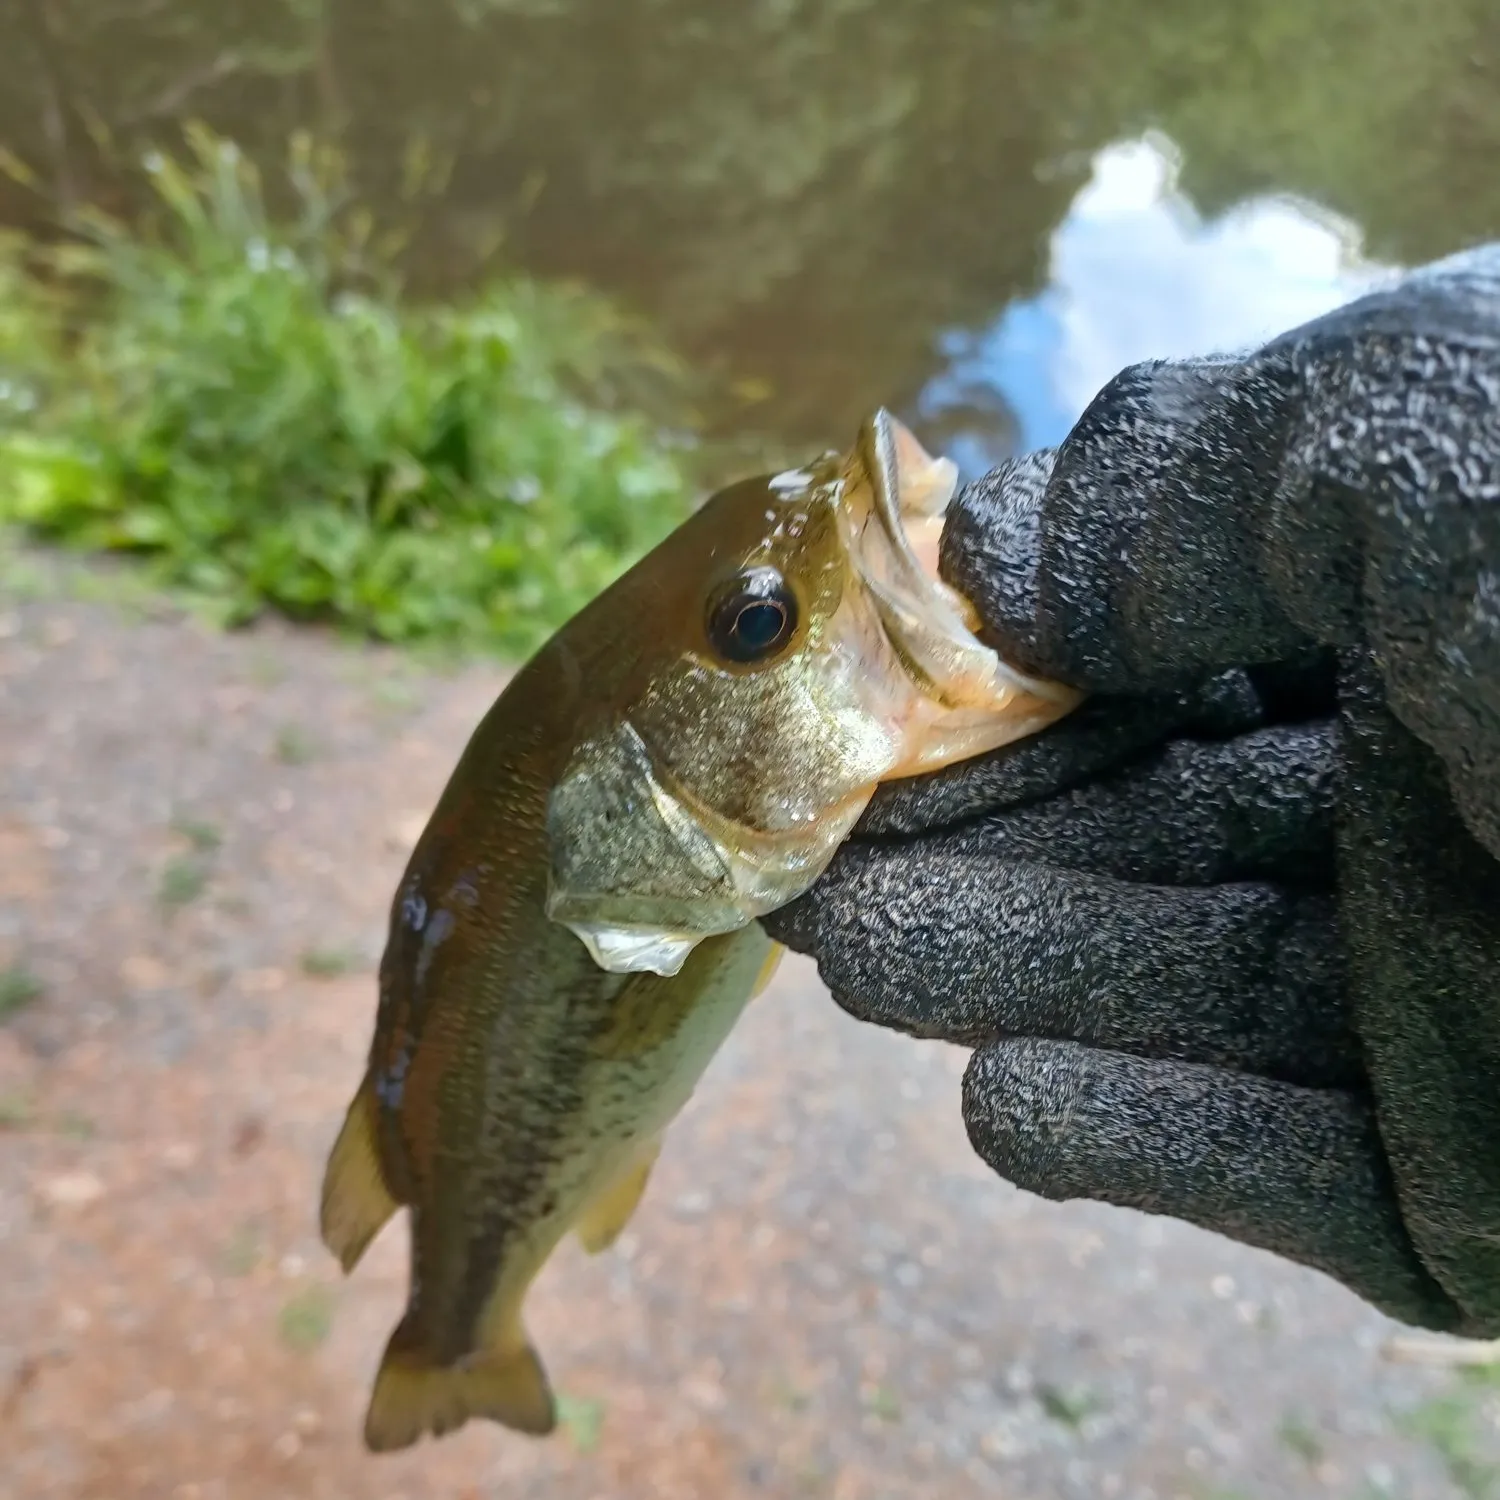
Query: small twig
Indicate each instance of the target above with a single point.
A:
(171, 98)
(1418, 1350)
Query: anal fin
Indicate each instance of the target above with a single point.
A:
(356, 1202)
(599, 1224)
(414, 1396)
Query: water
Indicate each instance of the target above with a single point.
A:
(1135, 273)
(973, 212)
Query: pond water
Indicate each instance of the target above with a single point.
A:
(973, 212)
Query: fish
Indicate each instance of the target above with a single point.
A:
(575, 933)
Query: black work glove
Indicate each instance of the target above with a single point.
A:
(1227, 941)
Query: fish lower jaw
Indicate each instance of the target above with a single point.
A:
(634, 950)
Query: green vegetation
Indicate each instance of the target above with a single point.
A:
(183, 880)
(76, 1125)
(1068, 1406)
(791, 1396)
(1447, 1423)
(243, 1253)
(1300, 1437)
(294, 745)
(19, 987)
(203, 836)
(246, 402)
(326, 963)
(307, 1318)
(17, 1111)
(882, 1402)
(582, 1418)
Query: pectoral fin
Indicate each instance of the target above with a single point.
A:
(356, 1201)
(600, 1223)
(768, 970)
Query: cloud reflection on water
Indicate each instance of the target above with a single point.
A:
(1137, 273)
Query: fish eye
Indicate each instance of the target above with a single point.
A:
(752, 616)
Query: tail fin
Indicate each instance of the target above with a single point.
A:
(356, 1201)
(413, 1395)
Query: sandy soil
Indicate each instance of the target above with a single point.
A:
(823, 1295)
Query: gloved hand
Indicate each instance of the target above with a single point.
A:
(1227, 940)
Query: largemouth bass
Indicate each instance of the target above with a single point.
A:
(574, 935)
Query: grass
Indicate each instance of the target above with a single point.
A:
(19, 988)
(243, 1254)
(813, 1477)
(1298, 1436)
(185, 877)
(267, 670)
(183, 880)
(582, 1418)
(20, 1111)
(306, 1318)
(791, 1396)
(17, 1111)
(202, 836)
(76, 1126)
(1068, 1406)
(294, 746)
(326, 963)
(1446, 1424)
(395, 694)
(249, 405)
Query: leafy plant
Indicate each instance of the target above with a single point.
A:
(247, 403)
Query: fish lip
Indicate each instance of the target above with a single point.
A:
(908, 595)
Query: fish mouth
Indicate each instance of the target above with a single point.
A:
(897, 496)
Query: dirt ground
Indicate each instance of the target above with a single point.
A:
(823, 1295)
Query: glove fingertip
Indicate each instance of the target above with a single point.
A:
(1018, 1096)
(991, 548)
(795, 926)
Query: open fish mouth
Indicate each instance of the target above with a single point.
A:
(894, 546)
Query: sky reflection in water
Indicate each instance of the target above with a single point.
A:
(1135, 273)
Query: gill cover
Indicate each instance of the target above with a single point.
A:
(642, 875)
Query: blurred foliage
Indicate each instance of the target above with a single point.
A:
(19, 987)
(249, 404)
(811, 186)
